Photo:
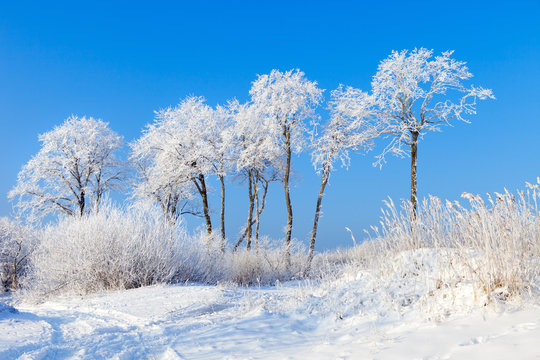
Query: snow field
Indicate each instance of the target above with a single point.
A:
(355, 315)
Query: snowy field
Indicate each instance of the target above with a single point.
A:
(345, 318)
(460, 284)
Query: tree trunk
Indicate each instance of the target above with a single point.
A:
(414, 150)
(171, 210)
(256, 196)
(250, 214)
(99, 192)
(201, 186)
(240, 240)
(287, 134)
(259, 212)
(324, 181)
(81, 203)
(222, 180)
(98, 201)
(14, 278)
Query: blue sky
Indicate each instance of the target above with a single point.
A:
(122, 61)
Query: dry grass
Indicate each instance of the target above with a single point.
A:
(493, 243)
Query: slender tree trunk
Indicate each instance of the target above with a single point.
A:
(250, 213)
(201, 186)
(222, 180)
(240, 240)
(324, 181)
(81, 203)
(14, 278)
(287, 134)
(256, 195)
(99, 192)
(259, 212)
(414, 150)
(171, 214)
(263, 200)
(98, 201)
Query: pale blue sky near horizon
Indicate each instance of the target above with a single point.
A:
(120, 61)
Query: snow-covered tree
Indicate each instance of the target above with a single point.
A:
(178, 152)
(350, 128)
(16, 244)
(287, 100)
(74, 168)
(417, 92)
(174, 199)
(220, 142)
(256, 155)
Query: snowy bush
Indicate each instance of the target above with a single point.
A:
(267, 263)
(122, 249)
(16, 243)
(113, 249)
(202, 260)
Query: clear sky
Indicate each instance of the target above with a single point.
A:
(122, 61)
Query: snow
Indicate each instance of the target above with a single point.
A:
(343, 318)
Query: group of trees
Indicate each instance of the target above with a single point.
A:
(413, 92)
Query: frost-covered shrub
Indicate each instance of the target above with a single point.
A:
(16, 244)
(266, 263)
(113, 249)
(121, 249)
(202, 260)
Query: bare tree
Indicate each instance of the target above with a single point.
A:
(75, 166)
(416, 92)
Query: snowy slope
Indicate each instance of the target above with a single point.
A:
(286, 321)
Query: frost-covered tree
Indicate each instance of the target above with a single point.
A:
(287, 100)
(350, 128)
(417, 92)
(74, 168)
(179, 151)
(150, 186)
(256, 155)
(16, 244)
(219, 139)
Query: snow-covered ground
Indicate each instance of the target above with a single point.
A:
(288, 321)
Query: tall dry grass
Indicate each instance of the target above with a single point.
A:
(493, 242)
